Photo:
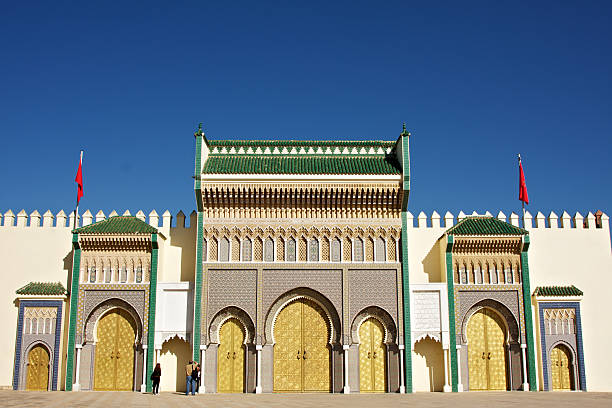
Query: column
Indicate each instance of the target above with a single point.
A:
(459, 385)
(143, 386)
(402, 383)
(524, 364)
(77, 385)
(345, 352)
(258, 347)
(157, 352)
(447, 387)
(202, 368)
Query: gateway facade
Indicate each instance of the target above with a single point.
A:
(302, 270)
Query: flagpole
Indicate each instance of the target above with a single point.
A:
(76, 210)
(522, 202)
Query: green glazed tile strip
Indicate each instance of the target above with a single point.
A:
(74, 298)
(406, 300)
(152, 303)
(451, 313)
(528, 317)
(197, 313)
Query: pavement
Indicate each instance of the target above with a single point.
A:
(98, 399)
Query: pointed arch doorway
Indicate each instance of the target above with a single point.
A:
(301, 349)
(486, 351)
(372, 357)
(38, 369)
(114, 361)
(230, 357)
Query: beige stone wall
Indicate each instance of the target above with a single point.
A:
(558, 256)
(35, 248)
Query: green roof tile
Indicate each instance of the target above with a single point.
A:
(118, 225)
(558, 291)
(231, 164)
(42, 288)
(301, 143)
(484, 225)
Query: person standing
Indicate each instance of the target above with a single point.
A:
(199, 378)
(191, 374)
(155, 377)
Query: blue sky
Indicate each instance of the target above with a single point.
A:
(475, 82)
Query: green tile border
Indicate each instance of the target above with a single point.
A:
(74, 298)
(406, 301)
(528, 317)
(197, 312)
(152, 303)
(405, 162)
(451, 313)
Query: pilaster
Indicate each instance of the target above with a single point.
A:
(152, 306)
(74, 298)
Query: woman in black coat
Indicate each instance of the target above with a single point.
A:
(155, 376)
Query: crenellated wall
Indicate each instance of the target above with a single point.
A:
(565, 250)
(38, 248)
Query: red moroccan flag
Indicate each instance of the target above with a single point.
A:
(79, 180)
(522, 186)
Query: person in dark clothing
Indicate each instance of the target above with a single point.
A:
(156, 376)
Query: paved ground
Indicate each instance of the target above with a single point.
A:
(429, 400)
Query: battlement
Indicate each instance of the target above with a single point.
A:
(597, 220)
(66, 221)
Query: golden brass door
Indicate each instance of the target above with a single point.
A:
(38, 369)
(114, 363)
(372, 361)
(561, 370)
(301, 351)
(486, 351)
(230, 357)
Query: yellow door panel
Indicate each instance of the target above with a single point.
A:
(315, 351)
(104, 369)
(114, 361)
(372, 357)
(496, 351)
(477, 366)
(555, 374)
(224, 361)
(379, 361)
(288, 349)
(124, 355)
(365, 357)
(560, 362)
(230, 357)
(301, 353)
(38, 369)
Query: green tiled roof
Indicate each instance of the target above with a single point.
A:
(301, 143)
(307, 164)
(118, 225)
(42, 288)
(484, 225)
(557, 291)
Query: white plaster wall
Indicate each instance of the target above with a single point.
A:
(42, 252)
(28, 254)
(582, 258)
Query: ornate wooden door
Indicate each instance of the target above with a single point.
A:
(230, 357)
(114, 363)
(561, 370)
(38, 369)
(301, 353)
(477, 365)
(486, 351)
(372, 361)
